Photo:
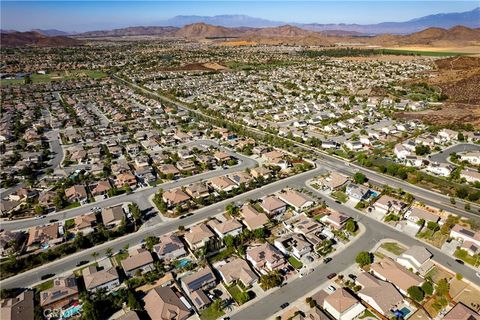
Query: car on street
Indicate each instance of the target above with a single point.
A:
(40, 217)
(82, 262)
(327, 260)
(332, 275)
(352, 276)
(284, 305)
(459, 261)
(53, 220)
(46, 276)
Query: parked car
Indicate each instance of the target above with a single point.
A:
(331, 289)
(327, 260)
(352, 276)
(46, 276)
(81, 263)
(53, 220)
(459, 261)
(332, 275)
(284, 305)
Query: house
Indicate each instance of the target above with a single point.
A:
(265, 257)
(163, 303)
(387, 204)
(400, 151)
(198, 236)
(126, 178)
(141, 261)
(240, 178)
(252, 218)
(415, 214)
(47, 198)
(103, 279)
(471, 157)
(470, 247)
(440, 169)
(273, 206)
(101, 188)
(447, 135)
(335, 219)
(342, 305)
(11, 242)
(76, 193)
(169, 247)
(113, 216)
(465, 234)
(20, 307)
(230, 227)
(391, 271)
(185, 165)
(379, 294)
(417, 259)
(39, 236)
(63, 292)
(237, 269)
(470, 175)
(197, 190)
(222, 183)
(263, 172)
(293, 244)
(461, 312)
(85, 223)
(221, 156)
(196, 283)
(335, 181)
(175, 197)
(357, 192)
(353, 145)
(168, 169)
(295, 199)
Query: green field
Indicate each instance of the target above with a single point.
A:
(422, 53)
(393, 247)
(9, 82)
(295, 263)
(67, 75)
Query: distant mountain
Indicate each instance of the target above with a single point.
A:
(130, 31)
(203, 30)
(469, 19)
(20, 39)
(228, 20)
(51, 32)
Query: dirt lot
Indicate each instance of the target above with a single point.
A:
(208, 66)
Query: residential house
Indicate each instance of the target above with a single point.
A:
(85, 223)
(273, 206)
(465, 234)
(76, 193)
(198, 236)
(387, 204)
(230, 227)
(461, 312)
(357, 192)
(196, 284)
(101, 188)
(63, 293)
(379, 294)
(140, 262)
(175, 197)
(20, 307)
(417, 259)
(169, 169)
(335, 219)
(113, 216)
(415, 214)
(237, 269)
(126, 178)
(48, 235)
(470, 175)
(295, 199)
(197, 190)
(293, 244)
(163, 303)
(335, 181)
(440, 169)
(471, 157)
(252, 218)
(240, 178)
(103, 279)
(263, 172)
(265, 257)
(222, 183)
(391, 271)
(342, 305)
(170, 247)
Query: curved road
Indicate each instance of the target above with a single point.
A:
(445, 155)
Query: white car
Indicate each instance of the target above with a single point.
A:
(331, 289)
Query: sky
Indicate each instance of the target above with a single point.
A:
(78, 16)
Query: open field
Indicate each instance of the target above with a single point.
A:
(466, 50)
(67, 75)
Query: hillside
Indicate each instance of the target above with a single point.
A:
(20, 39)
(131, 31)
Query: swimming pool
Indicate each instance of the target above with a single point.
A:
(70, 312)
(183, 263)
(405, 311)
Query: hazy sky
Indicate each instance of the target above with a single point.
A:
(95, 15)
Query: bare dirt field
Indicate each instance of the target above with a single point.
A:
(461, 49)
(208, 66)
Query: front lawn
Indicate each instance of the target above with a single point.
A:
(70, 223)
(211, 313)
(238, 294)
(393, 247)
(119, 257)
(44, 285)
(463, 255)
(295, 263)
(340, 196)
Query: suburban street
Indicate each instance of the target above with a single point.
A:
(444, 156)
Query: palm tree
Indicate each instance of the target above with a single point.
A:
(109, 252)
(95, 255)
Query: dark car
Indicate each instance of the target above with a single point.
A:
(53, 220)
(81, 263)
(338, 201)
(46, 276)
(332, 275)
(352, 276)
(459, 261)
(284, 305)
(327, 260)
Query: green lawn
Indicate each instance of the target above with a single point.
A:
(7, 82)
(67, 75)
(393, 247)
(236, 292)
(463, 255)
(78, 272)
(340, 195)
(120, 256)
(70, 223)
(72, 205)
(367, 313)
(211, 313)
(45, 285)
(423, 53)
(295, 263)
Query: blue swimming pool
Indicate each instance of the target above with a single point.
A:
(183, 263)
(405, 311)
(70, 312)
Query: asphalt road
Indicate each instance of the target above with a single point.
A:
(31, 277)
(140, 197)
(375, 231)
(445, 155)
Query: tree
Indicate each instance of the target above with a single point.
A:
(427, 288)
(433, 226)
(229, 240)
(95, 255)
(359, 178)
(132, 301)
(109, 252)
(150, 242)
(363, 258)
(422, 150)
(270, 280)
(416, 293)
(351, 226)
(39, 210)
(89, 310)
(443, 287)
(461, 192)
